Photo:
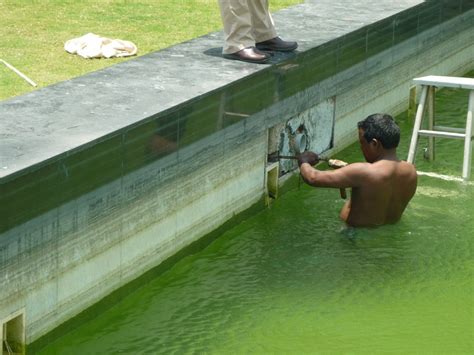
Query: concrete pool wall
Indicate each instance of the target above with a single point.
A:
(105, 176)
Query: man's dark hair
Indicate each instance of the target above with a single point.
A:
(381, 127)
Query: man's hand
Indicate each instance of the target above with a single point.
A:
(308, 157)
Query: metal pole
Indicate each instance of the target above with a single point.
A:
(19, 73)
(466, 166)
(431, 124)
(416, 127)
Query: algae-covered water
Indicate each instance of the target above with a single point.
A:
(294, 279)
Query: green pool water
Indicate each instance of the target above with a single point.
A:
(294, 279)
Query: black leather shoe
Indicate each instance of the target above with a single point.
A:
(277, 44)
(249, 54)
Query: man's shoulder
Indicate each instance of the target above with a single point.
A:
(359, 168)
(387, 169)
(397, 164)
(358, 165)
(358, 173)
(405, 172)
(407, 167)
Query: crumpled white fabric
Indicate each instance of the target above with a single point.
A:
(95, 46)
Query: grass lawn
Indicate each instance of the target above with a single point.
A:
(33, 32)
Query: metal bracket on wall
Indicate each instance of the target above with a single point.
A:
(272, 172)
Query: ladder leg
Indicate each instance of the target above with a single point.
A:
(431, 123)
(466, 166)
(417, 125)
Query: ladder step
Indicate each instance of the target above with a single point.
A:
(441, 134)
(446, 81)
(449, 129)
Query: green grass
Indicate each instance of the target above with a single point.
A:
(33, 33)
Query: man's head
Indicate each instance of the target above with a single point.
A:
(377, 134)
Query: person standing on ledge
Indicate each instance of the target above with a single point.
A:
(381, 188)
(249, 31)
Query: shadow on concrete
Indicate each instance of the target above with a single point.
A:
(277, 57)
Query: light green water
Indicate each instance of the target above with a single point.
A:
(294, 279)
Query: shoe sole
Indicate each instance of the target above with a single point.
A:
(263, 61)
(273, 49)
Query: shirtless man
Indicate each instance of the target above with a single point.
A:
(381, 188)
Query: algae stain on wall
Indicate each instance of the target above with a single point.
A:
(316, 123)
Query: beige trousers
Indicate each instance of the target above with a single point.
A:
(245, 23)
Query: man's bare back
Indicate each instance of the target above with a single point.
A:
(383, 195)
(382, 187)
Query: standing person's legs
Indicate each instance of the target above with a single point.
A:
(264, 29)
(262, 22)
(239, 40)
(237, 25)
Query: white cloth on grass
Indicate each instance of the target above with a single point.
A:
(94, 46)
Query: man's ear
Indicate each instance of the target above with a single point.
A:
(375, 143)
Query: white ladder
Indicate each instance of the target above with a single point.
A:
(428, 85)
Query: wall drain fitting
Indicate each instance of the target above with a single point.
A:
(12, 335)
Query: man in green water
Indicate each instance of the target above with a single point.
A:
(381, 188)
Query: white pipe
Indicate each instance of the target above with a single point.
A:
(19, 73)
(466, 166)
(417, 125)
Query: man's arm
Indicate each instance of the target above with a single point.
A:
(351, 175)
